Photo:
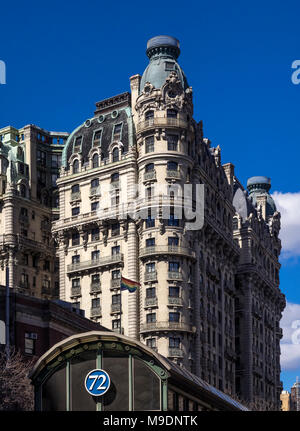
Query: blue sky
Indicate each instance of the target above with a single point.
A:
(62, 57)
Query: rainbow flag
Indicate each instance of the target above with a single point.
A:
(129, 285)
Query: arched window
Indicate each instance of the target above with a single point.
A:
(95, 160)
(115, 155)
(75, 166)
(23, 191)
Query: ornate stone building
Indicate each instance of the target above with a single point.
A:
(209, 298)
(29, 163)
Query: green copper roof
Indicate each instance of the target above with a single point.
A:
(163, 52)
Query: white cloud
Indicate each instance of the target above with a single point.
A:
(289, 206)
(290, 343)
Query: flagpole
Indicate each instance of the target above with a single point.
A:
(121, 305)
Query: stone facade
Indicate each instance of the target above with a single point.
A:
(30, 159)
(209, 298)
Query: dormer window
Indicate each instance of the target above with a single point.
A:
(95, 161)
(75, 166)
(97, 138)
(77, 144)
(115, 155)
(117, 132)
(149, 115)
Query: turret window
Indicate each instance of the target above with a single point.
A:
(150, 167)
(149, 143)
(172, 142)
(172, 166)
(174, 317)
(149, 115)
(171, 113)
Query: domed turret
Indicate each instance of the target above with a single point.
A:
(260, 186)
(163, 52)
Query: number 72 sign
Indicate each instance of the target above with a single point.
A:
(97, 382)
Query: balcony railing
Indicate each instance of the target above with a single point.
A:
(151, 302)
(75, 196)
(167, 249)
(95, 287)
(173, 174)
(174, 300)
(148, 176)
(174, 275)
(116, 308)
(95, 191)
(115, 283)
(95, 263)
(160, 122)
(75, 291)
(96, 311)
(163, 326)
(175, 352)
(150, 276)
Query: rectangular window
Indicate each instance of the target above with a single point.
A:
(30, 338)
(117, 132)
(46, 266)
(150, 242)
(171, 113)
(115, 229)
(115, 250)
(75, 238)
(41, 158)
(95, 302)
(150, 292)
(96, 278)
(95, 183)
(76, 305)
(77, 144)
(150, 267)
(54, 179)
(115, 200)
(95, 255)
(76, 258)
(174, 266)
(169, 65)
(149, 144)
(116, 299)
(172, 142)
(173, 220)
(174, 317)
(55, 160)
(173, 240)
(94, 206)
(75, 282)
(174, 342)
(75, 188)
(97, 138)
(75, 211)
(151, 342)
(151, 317)
(174, 291)
(116, 324)
(116, 274)
(95, 234)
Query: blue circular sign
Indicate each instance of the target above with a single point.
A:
(97, 382)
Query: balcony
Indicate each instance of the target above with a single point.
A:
(150, 176)
(95, 263)
(160, 122)
(173, 174)
(75, 197)
(95, 287)
(175, 352)
(95, 191)
(116, 308)
(151, 302)
(175, 300)
(167, 249)
(96, 312)
(115, 283)
(174, 275)
(166, 326)
(151, 276)
(75, 291)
